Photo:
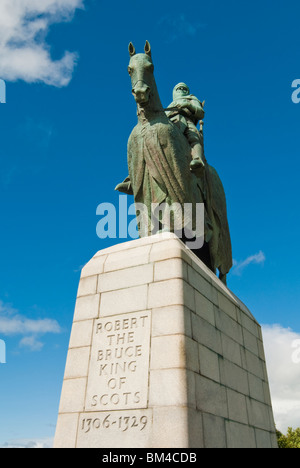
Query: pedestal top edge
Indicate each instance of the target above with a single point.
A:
(204, 270)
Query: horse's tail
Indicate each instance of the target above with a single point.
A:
(218, 210)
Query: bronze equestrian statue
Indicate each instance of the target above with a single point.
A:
(167, 166)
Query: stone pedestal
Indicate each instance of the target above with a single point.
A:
(162, 355)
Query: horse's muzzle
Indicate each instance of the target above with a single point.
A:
(141, 94)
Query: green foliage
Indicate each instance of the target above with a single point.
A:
(290, 440)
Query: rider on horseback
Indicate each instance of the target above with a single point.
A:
(186, 111)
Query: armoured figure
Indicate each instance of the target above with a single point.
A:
(186, 111)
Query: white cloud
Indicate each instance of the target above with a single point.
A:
(282, 350)
(31, 342)
(24, 52)
(29, 443)
(178, 26)
(18, 324)
(257, 259)
(12, 323)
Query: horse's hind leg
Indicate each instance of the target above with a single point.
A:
(223, 278)
(204, 255)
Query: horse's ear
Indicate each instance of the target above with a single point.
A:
(131, 49)
(147, 49)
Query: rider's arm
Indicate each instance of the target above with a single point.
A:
(196, 108)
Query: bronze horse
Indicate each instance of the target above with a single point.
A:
(159, 157)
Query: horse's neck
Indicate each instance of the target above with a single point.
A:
(153, 110)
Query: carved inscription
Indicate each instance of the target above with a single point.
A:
(115, 429)
(123, 423)
(118, 376)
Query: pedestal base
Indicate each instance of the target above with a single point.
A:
(162, 355)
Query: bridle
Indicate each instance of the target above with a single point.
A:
(142, 81)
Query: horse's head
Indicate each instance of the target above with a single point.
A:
(140, 70)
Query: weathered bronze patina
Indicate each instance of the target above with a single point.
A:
(166, 162)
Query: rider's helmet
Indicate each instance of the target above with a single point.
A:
(180, 90)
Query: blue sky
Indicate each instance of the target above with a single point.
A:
(64, 132)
